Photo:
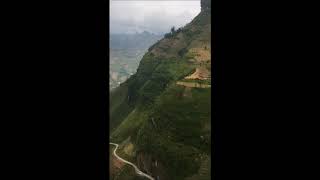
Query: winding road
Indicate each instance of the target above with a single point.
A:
(138, 171)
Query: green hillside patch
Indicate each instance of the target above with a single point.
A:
(175, 135)
(129, 125)
(128, 173)
(153, 77)
(119, 107)
(182, 117)
(177, 158)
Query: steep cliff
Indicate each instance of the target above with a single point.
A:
(168, 122)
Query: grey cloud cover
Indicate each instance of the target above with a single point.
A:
(154, 16)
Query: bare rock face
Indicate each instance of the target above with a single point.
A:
(205, 5)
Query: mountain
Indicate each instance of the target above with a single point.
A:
(161, 115)
(133, 41)
(126, 51)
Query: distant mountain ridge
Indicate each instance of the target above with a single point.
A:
(126, 51)
(136, 41)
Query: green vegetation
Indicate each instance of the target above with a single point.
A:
(125, 173)
(119, 108)
(172, 33)
(170, 122)
(176, 137)
(128, 173)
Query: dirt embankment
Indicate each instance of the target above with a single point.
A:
(201, 73)
(115, 165)
(201, 54)
(193, 84)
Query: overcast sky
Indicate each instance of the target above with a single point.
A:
(150, 15)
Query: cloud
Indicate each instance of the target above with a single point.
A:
(153, 16)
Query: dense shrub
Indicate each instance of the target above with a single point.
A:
(182, 52)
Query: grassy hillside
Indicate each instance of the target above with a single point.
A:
(168, 121)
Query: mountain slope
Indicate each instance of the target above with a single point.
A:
(165, 122)
(126, 50)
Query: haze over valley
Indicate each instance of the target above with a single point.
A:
(126, 51)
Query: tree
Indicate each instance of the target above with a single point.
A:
(172, 29)
(167, 35)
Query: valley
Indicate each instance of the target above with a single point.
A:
(126, 51)
(160, 116)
